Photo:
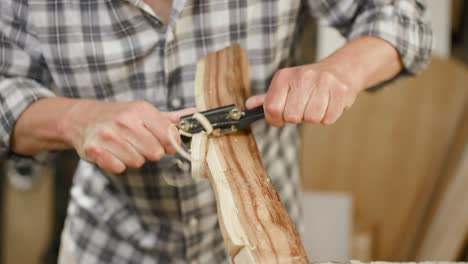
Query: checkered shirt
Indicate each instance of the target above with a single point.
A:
(116, 50)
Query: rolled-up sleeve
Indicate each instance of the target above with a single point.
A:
(402, 23)
(24, 78)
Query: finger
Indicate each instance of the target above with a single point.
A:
(144, 142)
(106, 160)
(336, 106)
(349, 101)
(255, 101)
(127, 154)
(175, 116)
(160, 126)
(121, 149)
(296, 103)
(317, 105)
(275, 99)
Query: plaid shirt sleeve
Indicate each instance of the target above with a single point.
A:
(23, 75)
(402, 23)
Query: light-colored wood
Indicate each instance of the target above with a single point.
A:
(254, 223)
(27, 224)
(198, 154)
(449, 227)
(388, 150)
(362, 245)
(447, 223)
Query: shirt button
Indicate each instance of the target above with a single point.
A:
(176, 103)
(193, 222)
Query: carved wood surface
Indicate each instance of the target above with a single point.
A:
(254, 223)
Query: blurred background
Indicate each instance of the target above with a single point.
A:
(388, 181)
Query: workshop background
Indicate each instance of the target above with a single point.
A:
(388, 181)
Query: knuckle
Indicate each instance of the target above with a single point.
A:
(123, 120)
(328, 121)
(312, 118)
(136, 162)
(166, 142)
(340, 91)
(273, 109)
(106, 166)
(343, 88)
(350, 101)
(326, 78)
(106, 135)
(141, 161)
(157, 154)
(171, 151)
(293, 118)
(117, 169)
(314, 114)
(308, 72)
(281, 75)
(92, 151)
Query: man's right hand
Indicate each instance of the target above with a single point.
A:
(120, 135)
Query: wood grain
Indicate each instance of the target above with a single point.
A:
(446, 230)
(27, 226)
(388, 151)
(255, 225)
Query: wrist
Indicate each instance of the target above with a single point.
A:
(364, 62)
(346, 73)
(75, 118)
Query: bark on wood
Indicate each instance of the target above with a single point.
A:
(254, 223)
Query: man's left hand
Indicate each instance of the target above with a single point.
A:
(307, 93)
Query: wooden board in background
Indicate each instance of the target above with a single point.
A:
(28, 219)
(445, 230)
(388, 150)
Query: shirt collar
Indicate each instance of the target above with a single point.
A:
(177, 6)
(145, 7)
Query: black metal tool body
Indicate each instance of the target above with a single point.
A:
(224, 120)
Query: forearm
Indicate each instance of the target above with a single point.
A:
(38, 128)
(364, 62)
(114, 135)
(321, 92)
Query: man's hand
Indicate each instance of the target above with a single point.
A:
(321, 92)
(306, 93)
(120, 135)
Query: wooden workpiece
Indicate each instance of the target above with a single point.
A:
(255, 225)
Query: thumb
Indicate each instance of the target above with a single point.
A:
(254, 101)
(175, 116)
